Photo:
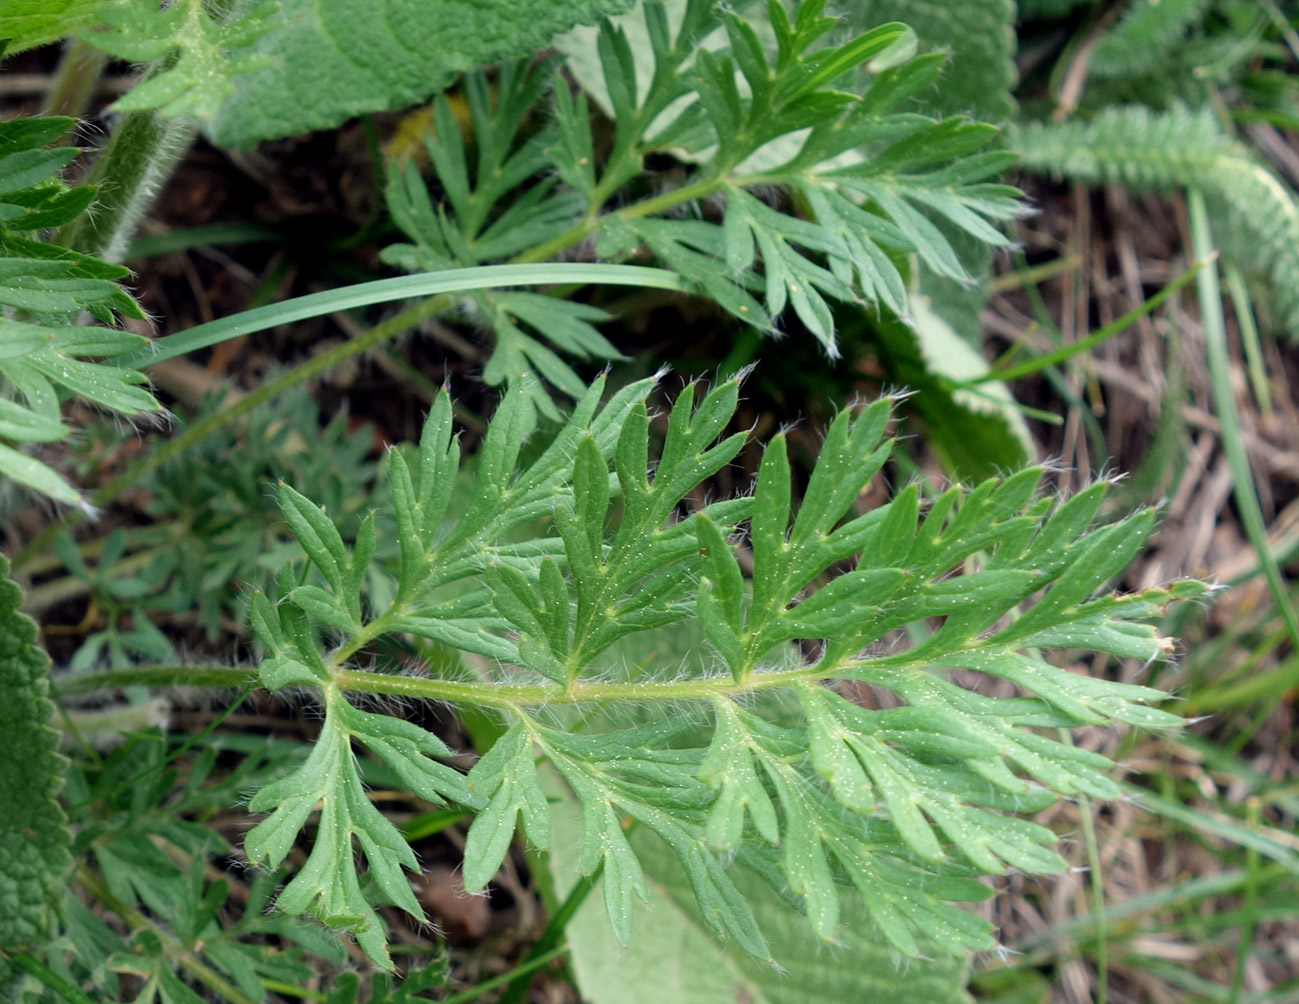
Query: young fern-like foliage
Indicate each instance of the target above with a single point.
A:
(557, 559)
(1176, 149)
(1145, 35)
(826, 191)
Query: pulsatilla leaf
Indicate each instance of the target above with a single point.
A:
(328, 886)
(569, 555)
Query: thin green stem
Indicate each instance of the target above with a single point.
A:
(1116, 326)
(637, 211)
(494, 695)
(534, 695)
(1233, 447)
(222, 677)
(1033, 274)
(293, 990)
(1249, 908)
(528, 967)
(33, 965)
(552, 937)
(1097, 883)
(1249, 340)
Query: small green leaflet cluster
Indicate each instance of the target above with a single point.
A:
(829, 191)
(34, 835)
(179, 935)
(471, 230)
(216, 531)
(556, 559)
(43, 289)
(194, 55)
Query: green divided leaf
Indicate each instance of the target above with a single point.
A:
(826, 191)
(328, 886)
(562, 565)
(330, 61)
(43, 288)
(478, 228)
(34, 835)
(506, 777)
(977, 435)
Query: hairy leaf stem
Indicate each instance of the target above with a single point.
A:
(495, 695)
(637, 211)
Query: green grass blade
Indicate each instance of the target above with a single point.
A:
(399, 288)
(1249, 339)
(1215, 347)
(1116, 326)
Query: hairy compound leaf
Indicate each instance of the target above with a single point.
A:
(328, 886)
(42, 290)
(479, 227)
(333, 60)
(826, 191)
(34, 836)
(560, 568)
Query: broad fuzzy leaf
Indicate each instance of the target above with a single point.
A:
(327, 62)
(34, 835)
